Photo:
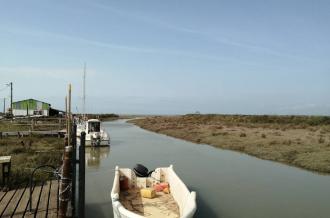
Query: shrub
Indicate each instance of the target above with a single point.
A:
(242, 134)
(263, 135)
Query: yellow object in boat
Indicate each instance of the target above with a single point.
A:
(166, 190)
(148, 192)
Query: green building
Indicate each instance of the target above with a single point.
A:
(30, 107)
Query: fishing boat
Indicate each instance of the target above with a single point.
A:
(138, 193)
(95, 135)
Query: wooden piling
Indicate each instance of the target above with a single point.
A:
(66, 113)
(66, 177)
(69, 116)
(65, 183)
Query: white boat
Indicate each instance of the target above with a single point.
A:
(128, 203)
(95, 135)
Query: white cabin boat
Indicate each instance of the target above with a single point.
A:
(128, 203)
(95, 135)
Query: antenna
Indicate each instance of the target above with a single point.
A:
(84, 90)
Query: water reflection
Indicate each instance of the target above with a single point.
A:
(94, 155)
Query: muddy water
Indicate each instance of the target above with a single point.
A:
(228, 184)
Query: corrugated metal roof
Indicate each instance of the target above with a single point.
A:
(29, 100)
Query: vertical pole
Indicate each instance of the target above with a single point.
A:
(84, 91)
(82, 176)
(74, 169)
(66, 114)
(11, 98)
(4, 105)
(65, 191)
(69, 116)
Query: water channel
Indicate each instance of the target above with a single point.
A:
(228, 184)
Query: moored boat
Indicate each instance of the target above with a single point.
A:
(95, 135)
(161, 193)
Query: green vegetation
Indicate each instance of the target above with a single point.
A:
(302, 141)
(28, 153)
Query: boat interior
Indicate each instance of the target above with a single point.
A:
(161, 205)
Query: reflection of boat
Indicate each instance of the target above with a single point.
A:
(95, 135)
(128, 188)
(93, 155)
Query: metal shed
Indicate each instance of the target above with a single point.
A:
(30, 107)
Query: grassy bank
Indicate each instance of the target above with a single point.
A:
(28, 153)
(302, 141)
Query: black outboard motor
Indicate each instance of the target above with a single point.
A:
(141, 171)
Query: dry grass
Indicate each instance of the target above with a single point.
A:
(30, 152)
(300, 141)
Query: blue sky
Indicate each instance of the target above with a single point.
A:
(170, 57)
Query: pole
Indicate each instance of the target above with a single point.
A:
(11, 98)
(66, 114)
(84, 90)
(69, 116)
(74, 169)
(4, 105)
(81, 213)
(65, 190)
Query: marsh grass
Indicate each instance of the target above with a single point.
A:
(43, 150)
(302, 141)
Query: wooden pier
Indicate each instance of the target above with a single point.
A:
(15, 203)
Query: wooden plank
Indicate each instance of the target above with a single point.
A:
(7, 200)
(5, 159)
(2, 196)
(42, 209)
(38, 202)
(35, 198)
(14, 202)
(52, 209)
(23, 205)
(20, 200)
(48, 198)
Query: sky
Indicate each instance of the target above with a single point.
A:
(169, 57)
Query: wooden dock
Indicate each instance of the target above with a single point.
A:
(15, 203)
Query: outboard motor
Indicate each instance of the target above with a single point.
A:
(141, 171)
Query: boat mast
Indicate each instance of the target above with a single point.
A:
(84, 91)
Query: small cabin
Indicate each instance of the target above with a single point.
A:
(93, 125)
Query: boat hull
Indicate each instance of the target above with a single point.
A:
(102, 143)
(185, 199)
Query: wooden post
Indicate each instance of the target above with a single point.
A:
(81, 213)
(66, 114)
(65, 184)
(32, 124)
(74, 168)
(66, 180)
(69, 116)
